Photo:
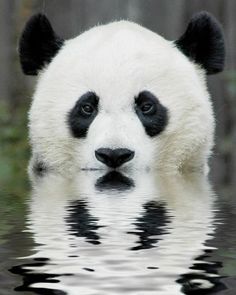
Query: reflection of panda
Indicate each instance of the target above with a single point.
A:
(121, 95)
(142, 238)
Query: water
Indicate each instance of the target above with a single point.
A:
(117, 234)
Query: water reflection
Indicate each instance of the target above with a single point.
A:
(114, 233)
(114, 180)
(151, 225)
(82, 223)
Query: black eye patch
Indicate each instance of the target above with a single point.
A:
(152, 114)
(82, 114)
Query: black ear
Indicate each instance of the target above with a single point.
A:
(203, 42)
(38, 44)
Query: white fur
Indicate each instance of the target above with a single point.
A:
(117, 61)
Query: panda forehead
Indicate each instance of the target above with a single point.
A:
(121, 35)
(112, 76)
(116, 78)
(117, 61)
(121, 46)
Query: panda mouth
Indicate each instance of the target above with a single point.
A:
(106, 169)
(92, 169)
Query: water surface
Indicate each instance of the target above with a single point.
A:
(118, 234)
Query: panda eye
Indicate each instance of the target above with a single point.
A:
(147, 108)
(87, 109)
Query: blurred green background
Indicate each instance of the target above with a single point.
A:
(70, 17)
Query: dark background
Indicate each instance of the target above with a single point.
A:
(71, 17)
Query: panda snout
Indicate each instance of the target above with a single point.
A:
(114, 157)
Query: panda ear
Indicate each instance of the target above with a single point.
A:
(38, 44)
(203, 42)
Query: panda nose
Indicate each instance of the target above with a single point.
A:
(114, 157)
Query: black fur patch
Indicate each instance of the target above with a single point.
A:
(203, 42)
(38, 44)
(78, 121)
(155, 121)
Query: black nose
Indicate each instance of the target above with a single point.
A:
(114, 158)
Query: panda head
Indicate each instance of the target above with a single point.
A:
(120, 96)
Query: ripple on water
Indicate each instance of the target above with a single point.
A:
(116, 234)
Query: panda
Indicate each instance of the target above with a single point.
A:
(120, 96)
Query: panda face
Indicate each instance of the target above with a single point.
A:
(111, 140)
(119, 97)
(106, 104)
